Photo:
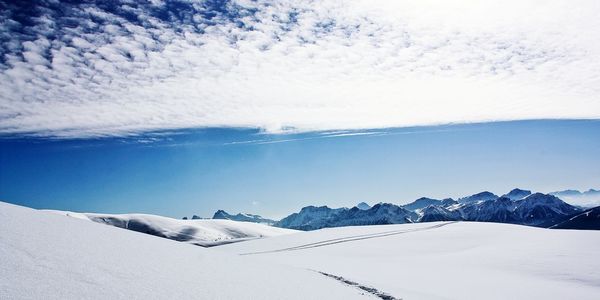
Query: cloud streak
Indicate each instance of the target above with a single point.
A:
(98, 69)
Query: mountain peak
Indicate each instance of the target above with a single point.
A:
(483, 196)
(223, 215)
(421, 203)
(517, 194)
(363, 206)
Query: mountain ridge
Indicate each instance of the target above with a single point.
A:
(223, 215)
(516, 207)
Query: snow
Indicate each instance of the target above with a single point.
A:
(44, 255)
(202, 232)
(445, 260)
(47, 255)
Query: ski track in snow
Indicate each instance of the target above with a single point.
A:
(368, 289)
(349, 239)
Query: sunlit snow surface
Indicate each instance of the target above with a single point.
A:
(445, 260)
(202, 232)
(49, 256)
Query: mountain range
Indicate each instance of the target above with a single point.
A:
(518, 206)
(589, 198)
(515, 207)
(571, 193)
(223, 215)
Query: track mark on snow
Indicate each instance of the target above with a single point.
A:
(349, 239)
(368, 289)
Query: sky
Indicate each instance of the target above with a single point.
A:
(113, 68)
(177, 107)
(246, 170)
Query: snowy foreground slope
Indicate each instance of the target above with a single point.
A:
(445, 260)
(49, 256)
(203, 232)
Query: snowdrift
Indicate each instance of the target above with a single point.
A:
(203, 232)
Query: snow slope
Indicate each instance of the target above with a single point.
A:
(203, 232)
(445, 260)
(49, 256)
(589, 219)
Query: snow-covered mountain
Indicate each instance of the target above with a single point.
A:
(535, 210)
(589, 198)
(434, 213)
(500, 210)
(517, 194)
(201, 232)
(588, 219)
(381, 213)
(312, 217)
(571, 193)
(541, 209)
(45, 255)
(422, 203)
(223, 215)
(448, 202)
(483, 196)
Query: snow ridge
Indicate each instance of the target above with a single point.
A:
(201, 232)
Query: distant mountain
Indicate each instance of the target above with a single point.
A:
(571, 193)
(588, 219)
(448, 201)
(382, 213)
(311, 218)
(500, 210)
(438, 213)
(517, 194)
(535, 210)
(483, 196)
(223, 215)
(589, 198)
(421, 203)
(567, 193)
(363, 206)
(539, 208)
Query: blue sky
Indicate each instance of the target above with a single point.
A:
(199, 171)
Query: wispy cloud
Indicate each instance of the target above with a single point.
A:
(117, 68)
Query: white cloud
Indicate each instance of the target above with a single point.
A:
(321, 65)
